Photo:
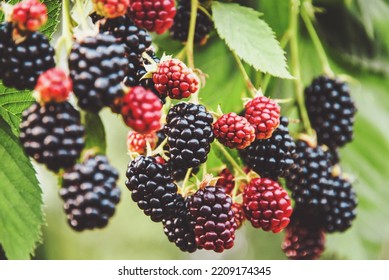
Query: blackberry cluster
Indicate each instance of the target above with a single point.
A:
(189, 131)
(152, 188)
(52, 134)
(23, 62)
(273, 157)
(212, 218)
(331, 111)
(303, 239)
(308, 177)
(178, 229)
(97, 67)
(180, 28)
(342, 203)
(90, 193)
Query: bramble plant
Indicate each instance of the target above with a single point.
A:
(234, 112)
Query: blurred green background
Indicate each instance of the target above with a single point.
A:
(355, 34)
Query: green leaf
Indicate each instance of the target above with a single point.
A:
(250, 37)
(21, 214)
(95, 133)
(53, 10)
(12, 104)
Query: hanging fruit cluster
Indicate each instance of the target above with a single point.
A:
(118, 68)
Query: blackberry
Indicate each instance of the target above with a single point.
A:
(90, 193)
(136, 40)
(180, 28)
(97, 67)
(21, 63)
(303, 240)
(273, 157)
(308, 178)
(189, 131)
(152, 188)
(52, 134)
(342, 203)
(211, 216)
(178, 229)
(3, 257)
(331, 111)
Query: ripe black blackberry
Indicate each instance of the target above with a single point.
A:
(52, 134)
(136, 40)
(97, 67)
(90, 193)
(271, 158)
(304, 238)
(178, 229)
(331, 111)
(152, 188)
(308, 178)
(22, 62)
(180, 28)
(342, 203)
(212, 218)
(189, 131)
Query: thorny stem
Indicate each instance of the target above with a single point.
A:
(306, 8)
(295, 65)
(191, 34)
(249, 84)
(66, 37)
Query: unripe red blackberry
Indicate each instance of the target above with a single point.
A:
(90, 193)
(341, 205)
(97, 67)
(153, 15)
(189, 131)
(141, 110)
(273, 157)
(308, 179)
(29, 15)
(266, 205)
(303, 240)
(152, 188)
(110, 8)
(180, 28)
(226, 180)
(264, 114)
(174, 79)
(212, 218)
(234, 131)
(52, 134)
(137, 142)
(239, 215)
(178, 229)
(53, 86)
(23, 62)
(331, 111)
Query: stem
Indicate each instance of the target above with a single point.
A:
(191, 33)
(67, 32)
(81, 15)
(230, 159)
(246, 77)
(315, 39)
(185, 182)
(295, 65)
